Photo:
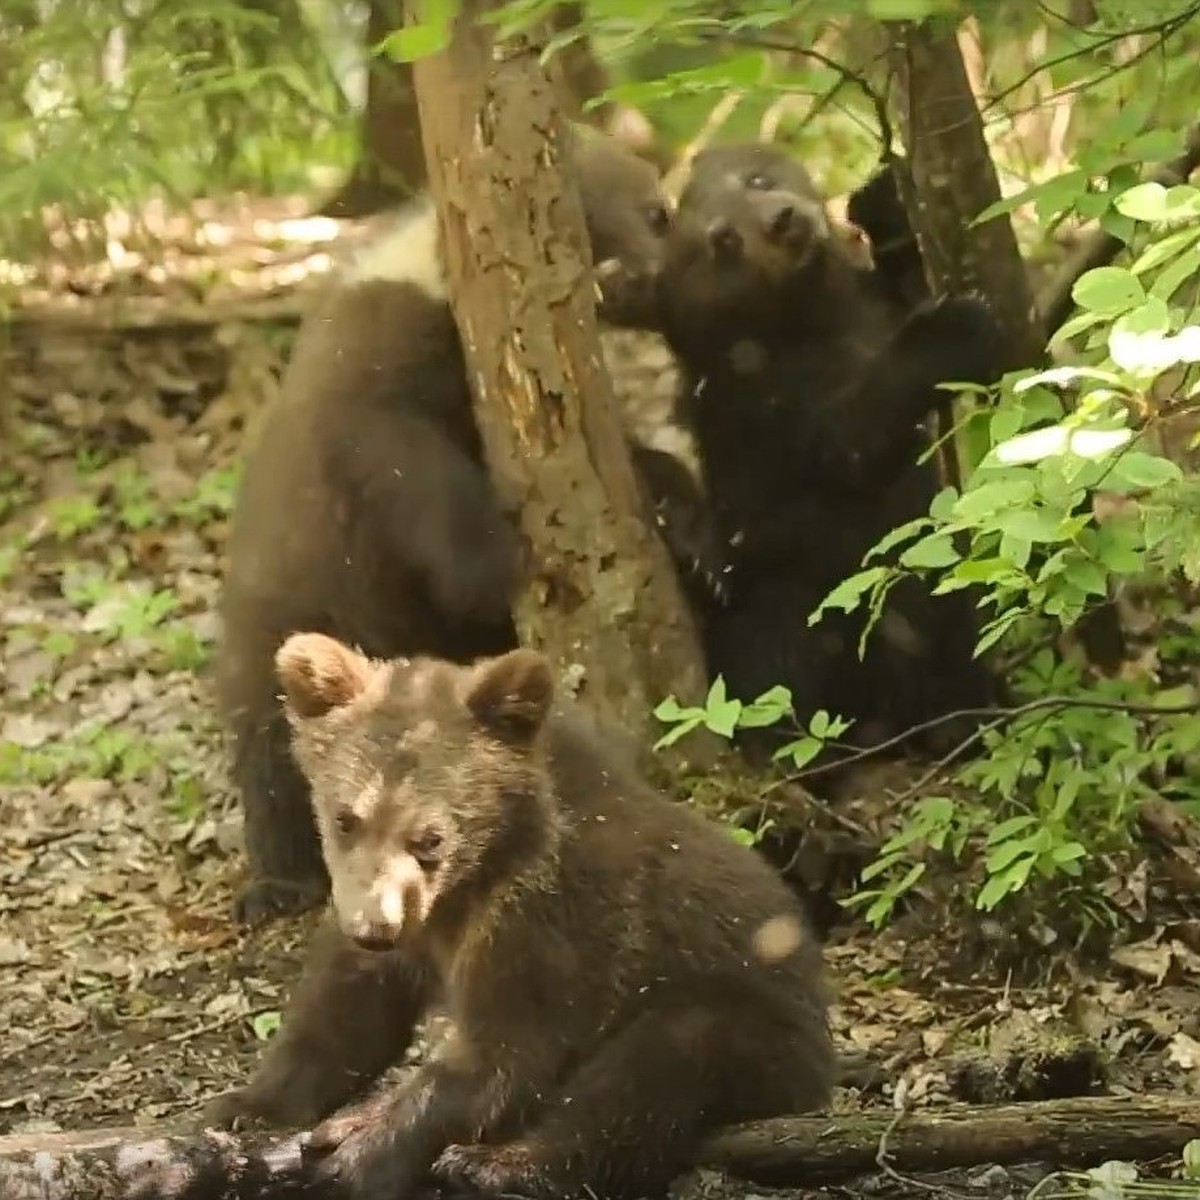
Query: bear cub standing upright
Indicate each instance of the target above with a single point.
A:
(806, 388)
(367, 512)
(621, 975)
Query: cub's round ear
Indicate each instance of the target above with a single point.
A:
(510, 696)
(318, 673)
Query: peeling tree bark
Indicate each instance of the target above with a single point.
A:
(604, 601)
(951, 179)
(161, 1164)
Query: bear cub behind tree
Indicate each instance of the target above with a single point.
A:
(622, 977)
(805, 385)
(366, 510)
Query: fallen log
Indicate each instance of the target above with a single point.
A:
(165, 1164)
(1079, 1132)
(150, 1164)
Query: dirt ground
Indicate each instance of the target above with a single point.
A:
(127, 995)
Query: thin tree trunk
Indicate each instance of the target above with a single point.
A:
(391, 162)
(603, 599)
(951, 179)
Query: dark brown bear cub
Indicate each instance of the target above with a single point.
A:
(622, 977)
(807, 388)
(367, 482)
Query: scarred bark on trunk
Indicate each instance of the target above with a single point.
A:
(603, 599)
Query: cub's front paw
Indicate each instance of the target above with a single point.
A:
(349, 1121)
(967, 337)
(513, 1168)
(360, 1153)
(233, 1110)
(271, 899)
(627, 297)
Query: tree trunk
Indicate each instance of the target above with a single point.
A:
(164, 1164)
(947, 180)
(951, 179)
(391, 163)
(603, 599)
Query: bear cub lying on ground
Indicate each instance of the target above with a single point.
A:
(621, 976)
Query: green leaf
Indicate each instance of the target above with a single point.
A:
(1050, 196)
(983, 570)
(883, 863)
(936, 550)
(681, 730)
(1006, 829)
(895, 536)
(1136, 469)
(1122, 228)
(416, 41)
(996, 629)
(1005, 854)
(802, 751)
(1181, 271)
(770, 708)
(1165, 249)
(1064, 374)
(847, 593)
(1086, 575)
(1006, 422)
(1115, 548)
(1093, 204)
(723, 718)
(1145, 202)
(1153, 316)
(818, 724)
(1066, 852)
(942, 505)
(671, 710)
(1155, 145)
(990, 498)
(266, 1024)
(1031, 524)
(1108, 290)
(1079, 323)
(992, 892)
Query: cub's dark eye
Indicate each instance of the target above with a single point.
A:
(660, 219)
(759, 182)
(426, 848)
(347, 821)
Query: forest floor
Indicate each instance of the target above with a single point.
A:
(128, 995)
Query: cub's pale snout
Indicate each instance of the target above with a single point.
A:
(389, 909)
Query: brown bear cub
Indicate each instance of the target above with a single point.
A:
(366, 483)
(621, 976)
(807, 390)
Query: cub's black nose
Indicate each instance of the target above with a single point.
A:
(725, 241)
(782, 221)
